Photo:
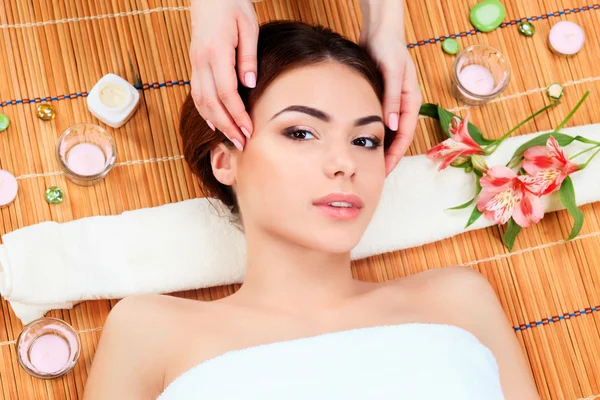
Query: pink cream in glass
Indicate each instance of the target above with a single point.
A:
(480, 73)
(48, 348)
(86, 159)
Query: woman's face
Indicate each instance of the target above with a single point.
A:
(313, 171)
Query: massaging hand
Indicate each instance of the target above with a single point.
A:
(219, 27)
(402, 97)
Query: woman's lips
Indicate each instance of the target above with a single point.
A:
(343, 206)
(343, 213)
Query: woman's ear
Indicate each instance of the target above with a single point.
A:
(223, 161)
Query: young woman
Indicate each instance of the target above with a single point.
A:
(304, 190)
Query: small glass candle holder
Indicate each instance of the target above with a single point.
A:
(48, 348)
(86, 153)
(480, 73)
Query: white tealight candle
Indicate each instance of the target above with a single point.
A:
(477, 79)
(566, 38)
(86, 159)
(113, 100)
(8, 188)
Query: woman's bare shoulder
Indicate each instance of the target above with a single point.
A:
(126, 355)
(447, 295)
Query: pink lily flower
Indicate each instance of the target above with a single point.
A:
(460, 144)
(548, 167)
(504, 194)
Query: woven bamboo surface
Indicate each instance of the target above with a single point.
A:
(56, 48)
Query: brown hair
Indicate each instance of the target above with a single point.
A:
(282, 45)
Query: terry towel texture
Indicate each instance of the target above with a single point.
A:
(190, 245)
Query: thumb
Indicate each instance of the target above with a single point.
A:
(246, 51)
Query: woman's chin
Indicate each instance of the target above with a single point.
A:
(343, 242)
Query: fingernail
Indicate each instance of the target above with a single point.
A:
(245, 132)
(250, 78)
(393, 121)
(237, 144)
(210, 125)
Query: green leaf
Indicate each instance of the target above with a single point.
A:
(478, 136)
(474, 216)
(541, 140)
(567, 197)
(462, 206)
(431, 110)
(468, 203)
(511, 233)
(445, 119)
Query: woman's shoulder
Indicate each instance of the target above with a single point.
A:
(453, 295)
(139, 325)
(450, 283)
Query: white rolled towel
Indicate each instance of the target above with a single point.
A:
(192, 244)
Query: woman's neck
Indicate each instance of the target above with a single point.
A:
(288, 278)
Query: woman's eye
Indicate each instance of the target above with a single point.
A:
(299, 134)
(367, 142)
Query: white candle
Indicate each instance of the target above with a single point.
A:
(8, 188)
(477, 79)
(86, 159)
(49, 353)
(566, 38)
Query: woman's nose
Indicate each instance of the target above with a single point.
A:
(340, 163)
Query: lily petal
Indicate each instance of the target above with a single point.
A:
(529, 211)
(497, 178)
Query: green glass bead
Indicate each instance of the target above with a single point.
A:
(46, 112)
(526, 28)
(555, 91)
(487, 15)
(4, 122)
(450, 46)
(54, 195)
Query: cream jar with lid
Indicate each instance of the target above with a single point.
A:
(113, 100)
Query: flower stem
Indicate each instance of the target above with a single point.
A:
(573, 111)
(583, 152)
(492, 147)
(590, 159)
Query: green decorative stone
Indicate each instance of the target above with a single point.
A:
(450, 46)
(487, 15)
(526, 28)
(4, 122)
(555, 91)
(54, 195)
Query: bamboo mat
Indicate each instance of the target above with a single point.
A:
(548, 288)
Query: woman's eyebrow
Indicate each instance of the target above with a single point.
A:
(313, 112)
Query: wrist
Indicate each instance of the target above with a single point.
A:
(383, 15)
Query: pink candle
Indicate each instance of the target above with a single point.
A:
(86, 159)
(477, 79)
(8, 188)
(49, 353)
(566, 38)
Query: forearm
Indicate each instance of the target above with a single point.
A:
(383, 14)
